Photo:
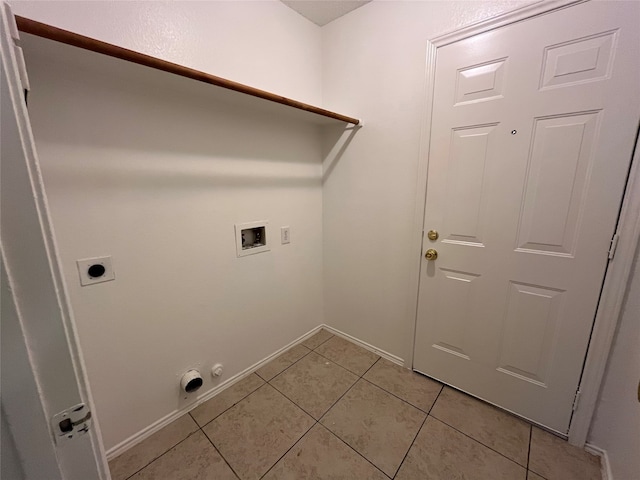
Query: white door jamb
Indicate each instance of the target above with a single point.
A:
(609, 310)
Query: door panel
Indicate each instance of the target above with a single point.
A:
(532, 133)
(465, 182)
(580, 60)
(455, 293)
(529, 331)
(561, 154)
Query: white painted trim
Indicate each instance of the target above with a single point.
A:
(367, 346)
(167, 419)
(619, 270)
(63, 313)
(605, 466)
(540, 7)
(413, 288)
(610, 306)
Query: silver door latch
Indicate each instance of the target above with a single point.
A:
(72, 422)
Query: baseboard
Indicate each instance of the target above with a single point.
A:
(166, 420)
(605, 466)
(365, 345)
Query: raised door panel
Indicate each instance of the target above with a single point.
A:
(555, 187)
(453, 310)
(529, 331)
(466, 193)
(480, 83)
(577, 61)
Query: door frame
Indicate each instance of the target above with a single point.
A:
(618, 272)
(47, 352)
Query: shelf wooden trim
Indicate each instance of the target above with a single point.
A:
(50, 32)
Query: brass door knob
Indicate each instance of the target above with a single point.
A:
(431, 254)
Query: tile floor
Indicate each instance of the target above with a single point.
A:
(328, 409)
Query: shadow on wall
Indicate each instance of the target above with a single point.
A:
(135, 125)
(336, 142)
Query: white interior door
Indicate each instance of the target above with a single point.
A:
(42, 369)
(532, 134)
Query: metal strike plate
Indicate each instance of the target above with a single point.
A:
(72, 422)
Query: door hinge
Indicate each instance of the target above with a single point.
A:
(72, 422)
(576, 400)
(613, 245)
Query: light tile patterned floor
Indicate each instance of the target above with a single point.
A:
(328, 409)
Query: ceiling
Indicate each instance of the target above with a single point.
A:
(322, 12)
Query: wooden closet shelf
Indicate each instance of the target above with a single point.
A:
(50, 32)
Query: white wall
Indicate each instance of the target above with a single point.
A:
(155, 170)
(369, 197)
(374, 64)
(616, 424)
(264, 44)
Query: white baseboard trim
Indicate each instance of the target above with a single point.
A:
(167, 419)
(365, 345)
(605, 466)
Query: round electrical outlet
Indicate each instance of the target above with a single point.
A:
(216, 370)
(96, 270)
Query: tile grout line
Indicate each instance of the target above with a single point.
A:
(529, 456)
(315, 422)
(286, 368)
(348, 341)
(334, 404)
(229, 408)
(292, 401)
(296, 361)
(301, 437)
(325, 358)
(266, 382)
(359, 377)
(357, 452)
(355, 373)
(220, 453)
(434, 402)
(418, 432)
(348, 390)
(372, 365)
(162, 454)
(201, 427)
(478, 441)
(296, 403)
(529, 449)
(321, 343)
(258, 375)
(400, 398)
(410, 446)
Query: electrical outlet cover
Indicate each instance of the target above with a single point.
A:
(95, 270)
(285, 235)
